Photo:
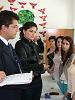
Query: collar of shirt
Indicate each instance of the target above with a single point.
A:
(4, 40)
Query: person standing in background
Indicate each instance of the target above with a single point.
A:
(57, 58)
(67, 56)
(51, 50)
(54, 70)
(28, 53)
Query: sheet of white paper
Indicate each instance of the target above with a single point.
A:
(16, 79)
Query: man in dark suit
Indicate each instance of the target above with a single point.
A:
(8, 64)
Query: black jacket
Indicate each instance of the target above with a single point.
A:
(28, 53)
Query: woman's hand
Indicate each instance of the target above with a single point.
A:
(2, 76)
(45, 66)
(36, 37)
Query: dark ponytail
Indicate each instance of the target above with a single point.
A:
(21, 32)
(26, 26)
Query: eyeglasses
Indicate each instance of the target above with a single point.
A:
(15, 26)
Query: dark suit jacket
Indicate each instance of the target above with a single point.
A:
(7, 61)
(9, 66)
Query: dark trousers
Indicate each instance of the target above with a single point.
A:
(11, 93)
(26, 92)
(36, 88)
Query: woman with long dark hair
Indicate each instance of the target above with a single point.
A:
(54, 70)
(28, 53)
(67, 56)
(51, 50)
(57, 57)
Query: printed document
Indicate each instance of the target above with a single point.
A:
(16, 79)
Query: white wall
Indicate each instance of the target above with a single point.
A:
(74, 18)
(74, 14)
(74, 37)
(59, 12)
